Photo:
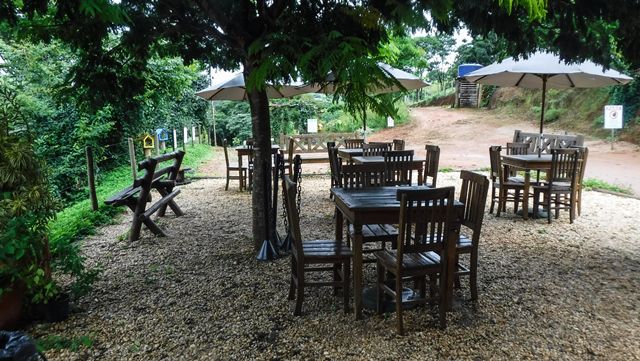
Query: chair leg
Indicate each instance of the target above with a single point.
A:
(346, 279)
(572, 208)
(536, 202)
(548, 204)
(292, 285)
(299, 295)
(493, 199)
(500, 198)
(473, 274)
(399, 304)
(432, 289)
(226, 188)
(380, 291)
(517, 200)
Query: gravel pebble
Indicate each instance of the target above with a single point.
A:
(559, 291)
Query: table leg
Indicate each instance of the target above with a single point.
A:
(525, 196)
(357, 270)
(339, 225)
(242, 184)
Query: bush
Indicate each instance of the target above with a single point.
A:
(551, 115)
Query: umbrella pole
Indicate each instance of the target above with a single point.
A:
(544, 93)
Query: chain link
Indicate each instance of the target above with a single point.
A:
(297, 174)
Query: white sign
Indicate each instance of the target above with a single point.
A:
(613, 116)
(312, 125)
(390, 122)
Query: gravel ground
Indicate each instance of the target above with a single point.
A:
(559, 291)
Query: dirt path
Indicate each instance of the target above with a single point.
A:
(464, 136)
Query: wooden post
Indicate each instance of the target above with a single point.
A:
(157, 143)
(193, 135)
(132, 158)
(92, 179)
(184, 139)
(175, 140)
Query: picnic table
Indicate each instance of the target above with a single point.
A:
(348, 153)
(376, 205)
(527, 163)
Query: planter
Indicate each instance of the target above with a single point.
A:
(11, 305)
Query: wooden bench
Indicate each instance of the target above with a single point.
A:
(138, 194)
(550, 141)
(312, 148)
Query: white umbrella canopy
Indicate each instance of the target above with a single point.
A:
(407, 80)
(544, 70)
(234, 89)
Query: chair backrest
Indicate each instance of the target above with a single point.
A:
(398, 165)
(353, 143)
(517, 148)
(398, 144)
(432, 159)
(564, 165)
(496, 163)
(226, 154)
(583, 154)
(290, 147)
(375, 149)
(293, 218)
(362, 175)
(473, 195)
(334, 163)
(426, 217)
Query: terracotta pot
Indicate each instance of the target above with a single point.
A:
(11, 304)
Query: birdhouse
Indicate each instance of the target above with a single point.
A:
(147, 145)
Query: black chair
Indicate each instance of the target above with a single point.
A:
(503, 184)
(431, 164)
(559, 191)
(234, 167)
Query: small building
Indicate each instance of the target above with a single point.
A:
(468, 94)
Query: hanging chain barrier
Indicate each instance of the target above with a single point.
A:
(297, 177)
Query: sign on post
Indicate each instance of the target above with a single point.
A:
(390, 122)
(312, 125)
(613, 116)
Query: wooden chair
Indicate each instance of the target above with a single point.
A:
(356, 176)
(353, 143)
(473, 195)
(332, 253)
(432, 160)
(398, 144)
(426, 218)
(518, 149)
(334, 164)
(560, 184)
(375, 149)
(503, 184)
(233, 167)
(398, 165)
(583, 154)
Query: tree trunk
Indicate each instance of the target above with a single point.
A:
(261, 128)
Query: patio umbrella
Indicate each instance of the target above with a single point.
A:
(234, 89)
(545, 70)
(408, 81)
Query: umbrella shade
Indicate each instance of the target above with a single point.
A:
(234, 89)
(544, 70)
(407, 80)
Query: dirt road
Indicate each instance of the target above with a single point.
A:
(464, 137)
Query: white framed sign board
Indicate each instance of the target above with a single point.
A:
(613, 116)
(390, 122)
(312, 125)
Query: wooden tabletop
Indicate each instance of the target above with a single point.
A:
(528, 161)
(348, 153)
(374, 159)
(244, 150)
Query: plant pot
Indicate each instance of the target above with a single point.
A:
(11, 305)
(57, 309)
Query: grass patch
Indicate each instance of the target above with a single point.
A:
(446, 170)
(592, 183)
(54, 342)
(78, 220)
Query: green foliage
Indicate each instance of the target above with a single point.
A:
(551, 115)
(629, 97)
(592, 183)
(55, 342)
(26, 204)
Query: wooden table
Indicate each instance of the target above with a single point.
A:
(348, 153)
(375, 205)
(244, 150)
(527, 163)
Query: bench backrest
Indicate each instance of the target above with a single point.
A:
(313, 143)
(152, 174)
(550, 141)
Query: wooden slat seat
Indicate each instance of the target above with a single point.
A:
(410, 262)
(121, 197)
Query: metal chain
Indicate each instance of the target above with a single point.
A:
(297, 172)
(280, 167)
